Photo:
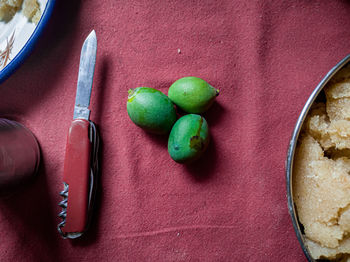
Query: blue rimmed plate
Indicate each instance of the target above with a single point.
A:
(18, 37)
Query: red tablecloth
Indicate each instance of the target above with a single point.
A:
(266, 57)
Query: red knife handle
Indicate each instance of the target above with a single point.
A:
(76, 175)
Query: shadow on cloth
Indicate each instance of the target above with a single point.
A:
(215, 115)
(101, 89)
(33, 208)
(203, 170)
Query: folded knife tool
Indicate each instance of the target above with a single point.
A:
(81, 156)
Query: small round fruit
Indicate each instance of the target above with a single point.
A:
(151, 110)
(188, 138)
(192, 94)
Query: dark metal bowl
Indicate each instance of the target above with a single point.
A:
(291, 151)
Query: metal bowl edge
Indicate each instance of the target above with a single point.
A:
(292, 147)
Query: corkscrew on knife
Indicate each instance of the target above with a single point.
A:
(81, 157)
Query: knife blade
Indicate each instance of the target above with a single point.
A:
(85, 77)
(80, 163)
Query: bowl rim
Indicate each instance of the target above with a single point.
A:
(292, 147)
(29, 45)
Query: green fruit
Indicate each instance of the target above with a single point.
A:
(151, 110)
(192, 94)
(188, 138)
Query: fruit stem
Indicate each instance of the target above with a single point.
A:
(217, 92)
(131, 91)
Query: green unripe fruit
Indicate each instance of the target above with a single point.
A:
(188, 138)
(151, 110)
(192, 94)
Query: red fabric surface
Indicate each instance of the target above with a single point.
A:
(266, 57)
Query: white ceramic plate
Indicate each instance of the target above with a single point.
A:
(18, 36)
